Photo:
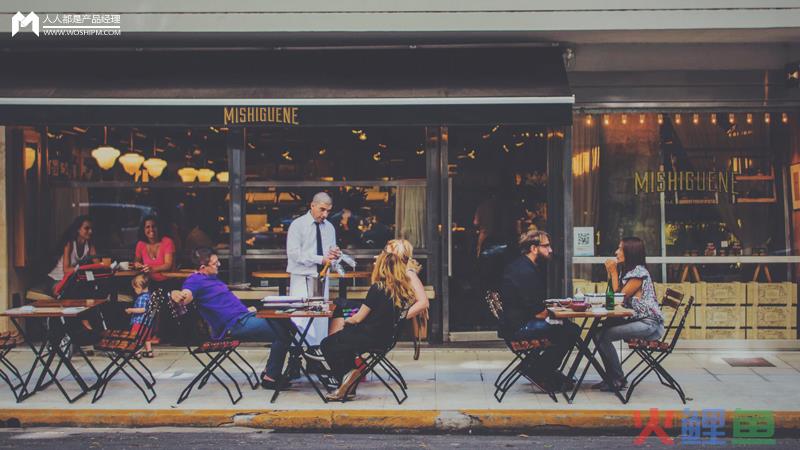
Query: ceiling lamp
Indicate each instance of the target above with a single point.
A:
(188, 174)
(205, 175)
(155, 166)
(131, 161)
(222, 177)
(30, 157)
(105, 155)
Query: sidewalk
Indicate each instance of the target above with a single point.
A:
(449, 388)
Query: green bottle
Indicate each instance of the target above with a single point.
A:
(610, 295)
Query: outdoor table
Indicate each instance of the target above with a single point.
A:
(50, 348)
(282, 319)
(283, 279)
(582, 345)
(186, 273)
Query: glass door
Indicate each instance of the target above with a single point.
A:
(497, 189)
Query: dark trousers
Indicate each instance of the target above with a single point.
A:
(562, 338)
(340, 349)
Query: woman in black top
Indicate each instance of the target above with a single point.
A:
(372, 327)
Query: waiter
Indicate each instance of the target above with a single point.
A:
(310, 244)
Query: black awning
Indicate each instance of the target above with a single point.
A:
(329, 87)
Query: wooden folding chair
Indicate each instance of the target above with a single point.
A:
(122, 348)
(526, 352)
(653, 352)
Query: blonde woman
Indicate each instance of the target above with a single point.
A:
(372, 327)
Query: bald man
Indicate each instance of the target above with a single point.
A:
(310, 244)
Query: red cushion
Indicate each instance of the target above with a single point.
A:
(644, 344)
(531, 344)
(216, 346)
(10, 339)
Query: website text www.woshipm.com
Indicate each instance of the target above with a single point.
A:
(89, 32)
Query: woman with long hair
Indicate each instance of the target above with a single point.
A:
(74, 246)
(373, 326)
(155, 252)
(628, 274)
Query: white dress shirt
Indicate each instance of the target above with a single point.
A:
(301, 244)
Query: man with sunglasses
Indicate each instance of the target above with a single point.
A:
(524, 317)
(227, 316)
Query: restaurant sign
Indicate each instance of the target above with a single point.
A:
(252, 115)
(650, 181)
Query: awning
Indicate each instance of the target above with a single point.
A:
(430, 86)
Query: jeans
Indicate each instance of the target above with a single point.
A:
(614, 330)
(562, 339)
(251, 328)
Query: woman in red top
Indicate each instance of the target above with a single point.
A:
(154, 253)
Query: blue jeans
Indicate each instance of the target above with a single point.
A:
(562, 338)
(614, 330)
(251, 328)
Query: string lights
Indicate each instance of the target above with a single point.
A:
(677, 118)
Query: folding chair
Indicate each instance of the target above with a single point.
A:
(653, 352)
(372, 359)
(211, 355)
(8, 341)
(122, 348)
(525, 354)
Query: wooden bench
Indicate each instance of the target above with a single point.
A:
(419, 324)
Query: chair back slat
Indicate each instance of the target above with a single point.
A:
(151, 312)
(677, 333)
(495, 304)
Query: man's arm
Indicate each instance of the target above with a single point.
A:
(294, 248)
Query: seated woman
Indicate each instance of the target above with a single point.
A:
(640, 295)
(372, 327)
(405, 251)
(155, 253)
(74, 246)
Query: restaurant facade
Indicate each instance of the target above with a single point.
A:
(457, 147)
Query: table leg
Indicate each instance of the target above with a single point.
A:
(298, 343)
(591, 360)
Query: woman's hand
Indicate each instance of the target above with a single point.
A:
(611, 266)
(145, 268)
(137, 265)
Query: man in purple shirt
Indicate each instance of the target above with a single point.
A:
(228, 317)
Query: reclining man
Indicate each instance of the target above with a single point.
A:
(524, 317)
(227, 316)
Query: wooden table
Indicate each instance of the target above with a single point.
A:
(282, 319)
(283, 278)
(50, 348)
(184, 273)
(582, 346)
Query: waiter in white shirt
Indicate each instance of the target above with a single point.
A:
(310, 244)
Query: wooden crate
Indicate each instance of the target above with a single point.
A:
(585, 286)
(775, 333)
(687, 289)
(720, 316)
(733, 293)
(724, 333)
(772, 293)
(770, 316)
(691, 333)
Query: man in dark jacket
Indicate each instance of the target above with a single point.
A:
(523, 292)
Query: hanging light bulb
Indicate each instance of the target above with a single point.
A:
(30, 157)
(606, 119)
(155, 166)
(766, 118)
(695, 118)
(641, 119)
(205, 175)
(713, 118)
(222, 177)
(677, 119)
(731, 118)
(131, 161)
(105, 155)
(660, 119)
(749, 118)
(785, 117)
(624, 119)
(589, 119)
(188, 174)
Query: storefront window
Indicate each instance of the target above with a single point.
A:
(712, 195)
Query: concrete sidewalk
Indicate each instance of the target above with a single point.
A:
(449, 388)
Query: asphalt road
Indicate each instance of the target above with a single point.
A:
(217, 438)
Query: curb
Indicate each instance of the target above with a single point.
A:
(472, 421)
